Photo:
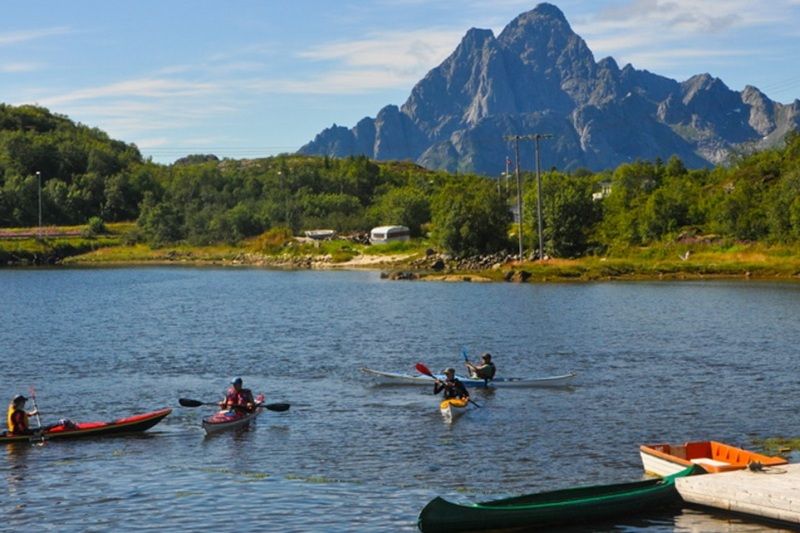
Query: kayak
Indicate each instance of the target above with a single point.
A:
(421, 379)
(71, 430)
(231, 418)
(453, 408)
(579, 505)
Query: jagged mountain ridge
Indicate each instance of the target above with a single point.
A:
(538, 76)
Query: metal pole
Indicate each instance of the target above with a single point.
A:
(508, 163)
(539, 198)
(519, 194)
(39, 176)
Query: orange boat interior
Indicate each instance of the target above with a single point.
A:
(711, 455)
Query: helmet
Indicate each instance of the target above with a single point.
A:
(236, 381)
(450, 370)
(19, 398)
(486, 356)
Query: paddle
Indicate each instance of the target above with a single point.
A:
(466, 360)
(422, 369)
(279, 407)
(36, 410)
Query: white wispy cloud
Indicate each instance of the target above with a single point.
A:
(12, 68)
(334, 82)
(406, 52)
(137, 88)
(656, 34)
(148, 108)
(22, 36)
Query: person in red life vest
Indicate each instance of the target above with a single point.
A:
(238, 398)
(17, 416)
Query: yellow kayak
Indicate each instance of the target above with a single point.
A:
(453, 407)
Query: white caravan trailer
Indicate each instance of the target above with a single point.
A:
(384, 234)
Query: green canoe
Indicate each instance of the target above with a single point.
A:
(567, 506)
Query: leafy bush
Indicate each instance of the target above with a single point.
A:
(95, 227)
(272, 241)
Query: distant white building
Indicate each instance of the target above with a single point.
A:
(384, 234)
(605, 190)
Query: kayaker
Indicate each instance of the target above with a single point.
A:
(17, 416)
(486, 370)
(238, 398)
(452, 386)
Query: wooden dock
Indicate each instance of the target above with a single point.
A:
(773, 492)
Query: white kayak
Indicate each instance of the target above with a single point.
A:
(421, 379)
(231, 418)
(453, 408)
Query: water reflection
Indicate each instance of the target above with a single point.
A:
(691, 520)
(16, 466)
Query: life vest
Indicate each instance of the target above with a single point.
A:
(238, 399)
(454, 389)
(16, 420)
(487, 371)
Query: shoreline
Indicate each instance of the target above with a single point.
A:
(400, 268)
(741, 261)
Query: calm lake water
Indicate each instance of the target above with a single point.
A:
(662, 361)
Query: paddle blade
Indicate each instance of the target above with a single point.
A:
(186, 402)
(279, 407)
(422, 369)
(464, 353)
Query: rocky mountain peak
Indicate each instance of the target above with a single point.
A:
(538, 75)
(537, 30)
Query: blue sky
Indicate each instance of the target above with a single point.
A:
(253, 78)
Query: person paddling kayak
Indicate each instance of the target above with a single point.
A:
(17, 416)
(238, 398)
(486, 370)
(452, 386)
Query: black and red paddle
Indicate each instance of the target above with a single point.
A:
(422, 369)
(186, 402)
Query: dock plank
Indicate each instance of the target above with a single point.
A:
(773, 492)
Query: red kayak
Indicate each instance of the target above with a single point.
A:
(231, 418)
(71, 430)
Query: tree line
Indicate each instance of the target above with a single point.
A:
(201, 199)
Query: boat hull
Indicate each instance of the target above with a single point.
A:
(410, 379)
(130, 424)
(561, 507)
(712, 456)
(231, 419)
(453, 408)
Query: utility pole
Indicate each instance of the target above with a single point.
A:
(536, 138)
(516, 139)
(39, 178)
(508, 177)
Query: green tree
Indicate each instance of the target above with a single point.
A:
(630, 185)
(407, 206)
(469, 217)
(160, 222)
(568, 213)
